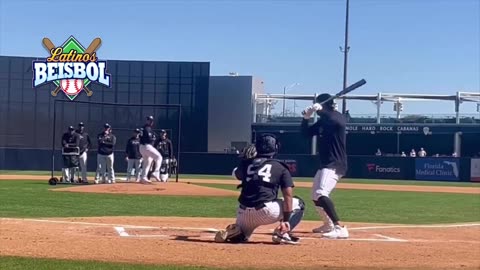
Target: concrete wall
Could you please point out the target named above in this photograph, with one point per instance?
(230, 112)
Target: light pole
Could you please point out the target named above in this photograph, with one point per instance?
(345, 50)
(284, 92)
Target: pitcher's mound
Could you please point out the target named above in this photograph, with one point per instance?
(170, 188)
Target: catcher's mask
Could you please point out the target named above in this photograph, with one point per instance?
(322, 97)
(267, 145)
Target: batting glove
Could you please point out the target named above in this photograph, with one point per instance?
(307, 113)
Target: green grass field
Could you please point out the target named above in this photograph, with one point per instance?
(34, 199)
(301, 179)
(17, 263)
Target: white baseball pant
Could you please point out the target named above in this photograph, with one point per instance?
(133, 166)
(83, 165)
(105, 165)
(150, 154)
(324, 182)
(249, 219)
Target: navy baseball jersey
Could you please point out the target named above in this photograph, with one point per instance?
(70, 140)
(106, 143)
(165, 148)
(133, 148)
(85, 142)
(147, 136)
(330, 129)
(261, 178)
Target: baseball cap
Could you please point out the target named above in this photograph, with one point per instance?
(107, 125)
(137, 130)
(163, 131)
(150, 117)
(71, 128)
(81, 124)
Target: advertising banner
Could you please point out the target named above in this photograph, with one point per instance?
(385, 168)
(475, 170)
(446, 169)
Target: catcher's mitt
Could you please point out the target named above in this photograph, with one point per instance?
(249, 152)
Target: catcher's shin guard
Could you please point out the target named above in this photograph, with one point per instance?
(232, 234)
(297, 214)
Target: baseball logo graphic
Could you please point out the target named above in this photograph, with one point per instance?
(71, 86)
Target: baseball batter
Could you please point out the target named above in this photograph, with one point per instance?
(133, 156)
(84, 145)
(330, 129)
(261, 177)
(149, 153)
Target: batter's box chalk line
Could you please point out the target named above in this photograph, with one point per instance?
(123, 233)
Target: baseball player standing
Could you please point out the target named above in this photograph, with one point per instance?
(70, 140)
(106, 144)
(330, 129)
(84, 145)
(262, 177)
(148, 152)
(133, 155)
(165, 148)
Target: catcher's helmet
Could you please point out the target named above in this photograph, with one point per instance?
(266, 144)
(322, 97)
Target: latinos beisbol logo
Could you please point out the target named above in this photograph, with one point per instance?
(71, 67)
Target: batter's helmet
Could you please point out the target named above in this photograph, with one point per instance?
(322, 97)
(266, 144)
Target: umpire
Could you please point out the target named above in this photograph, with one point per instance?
(330, 129)
(84, 145)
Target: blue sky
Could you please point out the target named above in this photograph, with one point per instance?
(401, 46)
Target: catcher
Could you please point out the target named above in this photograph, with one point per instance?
(262, 177)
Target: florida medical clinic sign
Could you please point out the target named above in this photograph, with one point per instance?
(437, 169)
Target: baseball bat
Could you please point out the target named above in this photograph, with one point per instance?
(92, 48)
(344, 91)
(88, 91)
(49, 45)
(94, 45)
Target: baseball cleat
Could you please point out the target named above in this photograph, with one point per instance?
(325, 228)
(145, 181)
(286, 238)
(221, 236)
(231, 234)
(338, 232)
